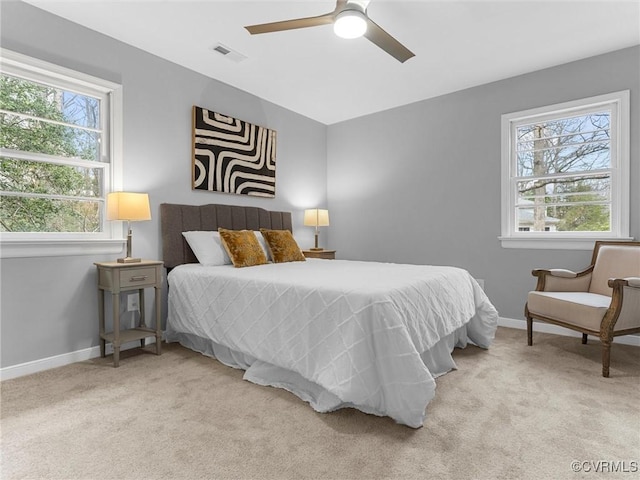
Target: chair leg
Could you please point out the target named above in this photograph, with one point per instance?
(606, 357)
(529, 330)
(584, 338)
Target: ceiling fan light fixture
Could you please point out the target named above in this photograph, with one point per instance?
(350, 24)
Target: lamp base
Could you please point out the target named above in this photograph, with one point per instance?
(129, 260)
(316, 249)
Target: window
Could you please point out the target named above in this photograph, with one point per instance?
(60, 145)
(565, 174)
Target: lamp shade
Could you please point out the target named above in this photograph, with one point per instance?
(316, 217)
(128, 206)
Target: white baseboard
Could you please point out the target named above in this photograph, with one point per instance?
(557, 330)
(48, 363)
(35, 366)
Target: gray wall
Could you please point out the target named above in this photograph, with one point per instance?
(49, 304)
(421, 183)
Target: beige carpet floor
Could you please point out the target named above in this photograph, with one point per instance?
(512, 412)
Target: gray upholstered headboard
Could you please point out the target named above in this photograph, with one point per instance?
(176, 219)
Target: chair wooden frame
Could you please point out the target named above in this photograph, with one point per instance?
(606, 332)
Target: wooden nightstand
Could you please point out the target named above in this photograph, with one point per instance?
(326, 254)
(117, 277)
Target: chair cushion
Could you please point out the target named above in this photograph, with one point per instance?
(614, 261)
(581, 309)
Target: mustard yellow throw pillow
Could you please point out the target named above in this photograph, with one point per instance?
(243, 247)
(282, 245)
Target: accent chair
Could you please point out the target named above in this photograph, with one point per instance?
(603, 300)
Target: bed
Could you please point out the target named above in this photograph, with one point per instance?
(336, 333)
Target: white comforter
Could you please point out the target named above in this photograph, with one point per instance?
(347, 333)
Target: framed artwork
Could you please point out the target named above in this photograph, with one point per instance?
(232, 156)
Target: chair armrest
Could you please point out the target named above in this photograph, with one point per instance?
(624, 312)
(562, 280)
(561, 272)
(633, 282)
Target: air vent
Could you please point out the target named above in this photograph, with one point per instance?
(222, 50)
(228, 53)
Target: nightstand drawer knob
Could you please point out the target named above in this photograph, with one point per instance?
(138, 278)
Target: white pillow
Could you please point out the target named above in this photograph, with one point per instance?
(207, 247)
(263, 244)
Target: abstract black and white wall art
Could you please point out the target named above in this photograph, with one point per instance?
(232, 156)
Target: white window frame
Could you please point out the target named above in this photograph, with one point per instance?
(110, 239)
(618, 103)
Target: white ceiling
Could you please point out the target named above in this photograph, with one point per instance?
(458, 44)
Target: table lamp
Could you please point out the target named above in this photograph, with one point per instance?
(132, 207)
(316, 217)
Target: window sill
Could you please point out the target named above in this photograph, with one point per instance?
(58, 248)
(557, 243)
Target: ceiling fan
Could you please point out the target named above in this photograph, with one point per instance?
(350, 20)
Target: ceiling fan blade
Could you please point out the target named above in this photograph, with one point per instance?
(291, 24)
(386, 42)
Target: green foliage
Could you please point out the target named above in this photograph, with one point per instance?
(33, 214)
(583, 218)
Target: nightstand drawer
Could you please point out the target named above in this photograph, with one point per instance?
(131, 277)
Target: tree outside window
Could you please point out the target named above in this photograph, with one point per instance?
(50, 139)
(564, 173)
